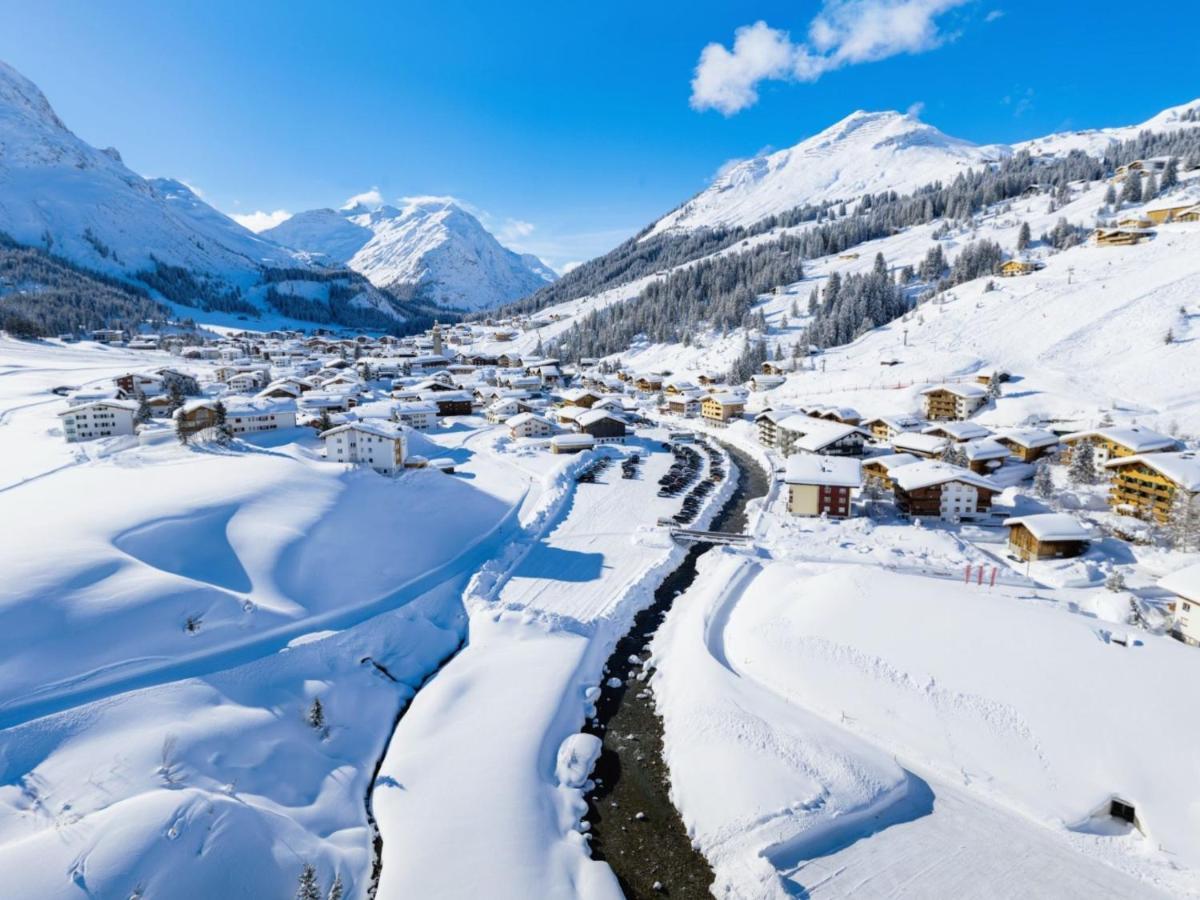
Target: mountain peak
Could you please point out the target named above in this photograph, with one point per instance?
(20, 96)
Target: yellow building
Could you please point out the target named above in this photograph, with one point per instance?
(1168, 212)
(722, 407)
(1117, 442)
(1148, 485)
(1118, 237)
(1013, 267)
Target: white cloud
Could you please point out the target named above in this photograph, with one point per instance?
(915, 109)
(843, 33)
(567, 267)
(514, 230)
(994, 15)
(372, 199)
(259, 220)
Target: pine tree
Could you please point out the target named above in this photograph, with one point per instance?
(175, 396)
(1169, 337)
(142, 416)
(336, 889)
(324, 423)
(1110, 197)
(309, 888)
(1131, 190)
(1170, 177)
(1149, 188)
(222, 432)
(1115, 581)
(1023, 237)
(316, 715)
(993, 388)
(1183, 520)
(181, 431)
(1043, 480)
(1083, 463)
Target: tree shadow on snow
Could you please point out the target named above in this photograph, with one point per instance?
(556, 564)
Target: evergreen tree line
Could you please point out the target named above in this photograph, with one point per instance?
(42, 295)
(182, 286)
(848, 307)
(716, 292)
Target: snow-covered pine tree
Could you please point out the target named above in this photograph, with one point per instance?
(1170, 176)
(1083, 463)
(1149, 188)
(142, 416)
(1043, 480)
(316, 715)
(308, 887)
(1110, 197)
(1131, 190)
(1115, 581)
(1183, 521)
(993, 387)
(1023, 237)
(222, 433)
(336, 890)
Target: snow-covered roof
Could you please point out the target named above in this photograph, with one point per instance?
(378, 427)
(985, 449)
(1184, 582)
(1182, 468)
(959, 390)
(834, 471)
(247, 406)
(817, 434)
(1031, 438)
(596, 415)
(1135, 437)
(522, 418)
(890, 461)
(130, 405)
(960, 431)
(931, 471)
(572, 440)
(413, 407)
(921, 443)
(1051, 527)
(727, 399)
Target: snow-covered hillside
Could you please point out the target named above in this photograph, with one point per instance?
(872, 152)
(430, 248)
(60, 193)
(865, 153)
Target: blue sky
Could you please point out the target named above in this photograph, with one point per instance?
(568, 126)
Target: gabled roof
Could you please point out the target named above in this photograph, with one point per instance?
(596, 415)
(378, 427)
(960, 390)
(130, 405)
(889, 461)
(978, 451)
(921, 443)
(1051, 527)
(1184, 582)
(522, 418)
(1031, 438)
(931, 472)
(960, 431)
(1182, 468)
(1133, 437)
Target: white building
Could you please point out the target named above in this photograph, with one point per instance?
(952, 401)
(246, 415)
(529, 425)
(1185, 584)
(371, 442)
(102, 418)
(417, 414)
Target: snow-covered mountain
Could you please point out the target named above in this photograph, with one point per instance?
(864, 153)
(1094, 141)
(60, 193)
(430, 248)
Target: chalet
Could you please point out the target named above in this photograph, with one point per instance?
(821, 485)
(102, 418)
(371, 442)
(1011, 268)
(280, 390)
(884, 428)
(778, 366)
(722, 407)
(1119, 237)
(985, 455)
(1149, 485)
(131, 384)
(766, 382)
(566, 415)
(108, 336)
(952, 401)
(648, 384)
(878, 469)
(1028, 444)
(957, 431)
(529, 425)
(196, 416)
(571, 443)
(767, 423)
(317, 402)
(708, 378)
(602, 425)
(503, 410)
(1168, 210)
(1117, 441)
(1046, 536)
(986, 376)
(937, 490)
(1135, 222)
(1191, 214)
(1153, 165)
(418, 415)
(251, 380)
(847, 415)
(674, 388)
(581, 397)
(686, 405)
(246, 415)
(804, 434)
(926, 446)
(1185, 585)
(451, 403)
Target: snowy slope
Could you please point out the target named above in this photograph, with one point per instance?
(1095, 141)
(58, 192)
(431, 248)
(864, 153)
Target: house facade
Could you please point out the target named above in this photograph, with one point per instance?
(722, 408)
(371, 442)
(1149, 485)
(103, 418)
(937, 490)
(952, 401)
(1046, 536)
(821, 485)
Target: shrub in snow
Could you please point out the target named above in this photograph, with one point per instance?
(316, 717)
(1083, 463)
(1043, 481)
(1115, 581)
